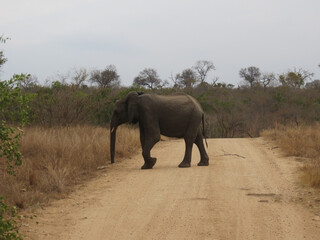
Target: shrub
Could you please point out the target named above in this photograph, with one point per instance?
(13, 110)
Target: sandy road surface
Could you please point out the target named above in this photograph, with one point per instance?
(247, 192)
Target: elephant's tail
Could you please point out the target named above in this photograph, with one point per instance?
(203, 130)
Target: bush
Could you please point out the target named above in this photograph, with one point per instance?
(8, 222)
(13, 110)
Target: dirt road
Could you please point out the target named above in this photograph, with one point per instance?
(248, 192)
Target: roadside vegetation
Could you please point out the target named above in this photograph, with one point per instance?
(55, 159)
(301, 141)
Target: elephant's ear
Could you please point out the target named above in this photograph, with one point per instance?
(132, 102)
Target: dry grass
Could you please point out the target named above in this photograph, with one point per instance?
(302, 141)
(55, 159)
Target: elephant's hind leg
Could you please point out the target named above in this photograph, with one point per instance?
(204, 161)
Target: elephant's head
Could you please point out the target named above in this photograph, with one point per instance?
(125, 110)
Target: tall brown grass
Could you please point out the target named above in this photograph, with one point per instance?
(301, 141)
(54, 159)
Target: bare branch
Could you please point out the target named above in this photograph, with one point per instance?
(202, 68)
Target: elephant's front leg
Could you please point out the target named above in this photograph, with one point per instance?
(147, 143)
(149, 161)
(186, 162)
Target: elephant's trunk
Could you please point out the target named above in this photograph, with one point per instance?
(112, 142)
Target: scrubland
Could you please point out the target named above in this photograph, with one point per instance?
(301, 141)
(55, 159)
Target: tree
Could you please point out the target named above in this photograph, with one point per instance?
(80, 76)
(148, 78)
(266, 79)
(186, 79)
(223, 85)
(14, 109)
(313, 84)
(202, 68)
(107, 78)
(2, 58)
(295, 78)
(251, 75)
(28, 82)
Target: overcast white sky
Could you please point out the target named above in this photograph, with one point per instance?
(50, 37)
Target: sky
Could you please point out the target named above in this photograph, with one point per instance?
(55, 37)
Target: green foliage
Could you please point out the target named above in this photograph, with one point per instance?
(107, 78)
(60, 105)
(250, 74)
(291, 79)
(9, 147)
(203, 100)
(186, 79)
(8, 225)
(13, 103)
(2, 58)
(125, 91)
(279, 98)
(13, 110)
(225, 106)
(295, 78)
(56, 85)
(102, 105)
(148, 78)
(230, 112)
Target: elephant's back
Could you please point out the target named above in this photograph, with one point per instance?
(177, 103)
(178, 100)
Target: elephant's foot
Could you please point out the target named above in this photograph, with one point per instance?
(149, 164)
(204, 162)
(184, 164)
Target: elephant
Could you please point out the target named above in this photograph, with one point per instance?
(178, 116)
